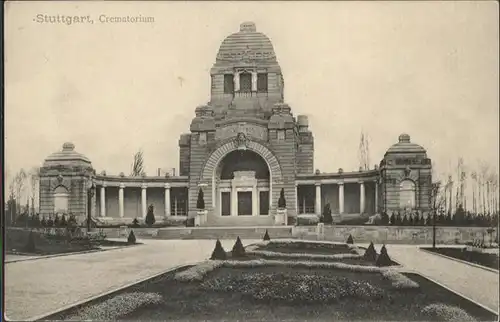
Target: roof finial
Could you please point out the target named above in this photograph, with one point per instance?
(248, 26)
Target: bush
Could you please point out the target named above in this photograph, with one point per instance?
(399, 281)
(443, 312)
(57, 221)
(384, 219)
(219, 253)
(131, 237)
(350, 240)
(307, 220)
(30, 245)
(135, 223)
(327, 214)
(266, 236)
(150, 216)
(200, 203)
(383, 259)
(281, 200)
(371, 253)
(238, 249)
(63, 222)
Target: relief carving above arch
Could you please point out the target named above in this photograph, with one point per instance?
(249, 130)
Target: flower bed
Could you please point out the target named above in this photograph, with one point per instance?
(484, 259)
(272, 293)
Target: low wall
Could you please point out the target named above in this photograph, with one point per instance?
(394, 234)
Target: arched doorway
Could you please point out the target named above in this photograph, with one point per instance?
(61, 196)
(407, 195)
(242, 180)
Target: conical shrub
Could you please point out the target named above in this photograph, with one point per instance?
(219, 253)
(371, 253)
(383, 259)
(350, 240)
(238, 249)
(30, 245)
(266, 236)
(131, 237)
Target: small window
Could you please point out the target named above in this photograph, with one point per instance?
(281, 135)
(245, 82)
(228, 84)
(262, 82)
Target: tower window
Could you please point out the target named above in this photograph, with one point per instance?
(262, 82)
(245, 82)
(281, 135)
(228, 84)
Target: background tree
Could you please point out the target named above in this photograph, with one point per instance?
(34, 176)
(19, 186)
(138, 165)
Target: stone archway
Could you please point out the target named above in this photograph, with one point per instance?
(209, 169)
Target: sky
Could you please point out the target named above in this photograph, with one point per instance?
(429, 69)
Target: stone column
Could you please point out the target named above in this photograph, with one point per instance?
(361, 197)
(376, 196)
(318, 199)
(144, 201)
(120, 199)
(167, 200)
(103, 200)
(255, 205)
(254, 81)
(341, 197)
(234, 201)
(236, 81)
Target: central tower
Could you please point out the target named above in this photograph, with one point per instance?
(245, 145)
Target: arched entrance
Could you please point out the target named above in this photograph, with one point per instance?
(242, 185)
(228, 173)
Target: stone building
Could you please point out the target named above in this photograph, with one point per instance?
(243, 147)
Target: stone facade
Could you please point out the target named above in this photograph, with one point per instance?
(243, 148)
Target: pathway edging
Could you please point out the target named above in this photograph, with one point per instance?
(461, 261)
(94, 297)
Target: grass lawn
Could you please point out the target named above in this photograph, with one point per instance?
(279, 293)
(484, 259)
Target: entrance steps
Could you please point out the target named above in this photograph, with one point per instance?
(239, 221)
(224, 232)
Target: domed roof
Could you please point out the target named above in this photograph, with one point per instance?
(246, 44)
(67, 157)
(405, 146)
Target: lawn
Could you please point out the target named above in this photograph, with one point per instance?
(16, 242)
(263, 289)
(484, 259)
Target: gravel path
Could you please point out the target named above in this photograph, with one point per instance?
(473, 282)
(38, 287)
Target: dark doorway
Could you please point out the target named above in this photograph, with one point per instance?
(244, 203)
(225, 203)
(264, 203)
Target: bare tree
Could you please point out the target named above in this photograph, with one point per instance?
(438, 197)
(484, 170)
(364, 152)
(138, 165)
(474, 192)
(19, 182)
(34, 175)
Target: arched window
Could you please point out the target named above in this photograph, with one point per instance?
(61, 196)
(407, 194)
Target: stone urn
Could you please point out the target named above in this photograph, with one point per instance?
(281, 217)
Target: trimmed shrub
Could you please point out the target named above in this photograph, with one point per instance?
(131, 237)
(281, 200)
(384, 218)
(393, 219)
(350, 240)
(57, 221)
(383, 259)
(266, 236)
(371, 253)
(150, 216)
(327, 214)
(63, 222)
(219, 253)
(30, 245)
(43, 222)
(135, 222)
(200, 203)
(443, 312)
(238, 249)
